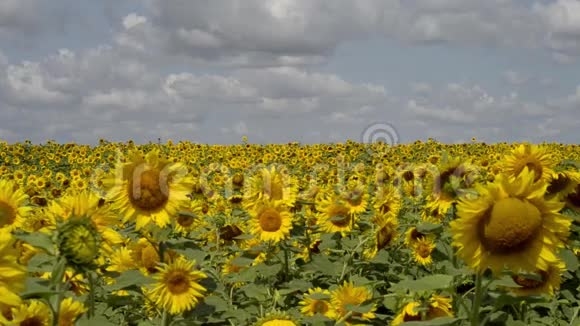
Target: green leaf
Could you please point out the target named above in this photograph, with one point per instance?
(427, 228)
(570, 259)
(433, 322)
(38, 240)
(360, 309)
(324, 265)
(255, 292)
(128, 279)
(218, 303)
(427, 283)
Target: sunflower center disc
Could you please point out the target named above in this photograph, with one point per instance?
(510, 226)
(270, 220)
(7, 214)
(147, 193)
(185, 220)
(423, 250)
(574, 198)
(320, 307)
(529, 283)
(177, 283)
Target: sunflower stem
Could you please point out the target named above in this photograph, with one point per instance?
(161, 251)
(165, 318)
(58, 274)
(476, 300)
(343, 319)
(286, 266)
(91, 310)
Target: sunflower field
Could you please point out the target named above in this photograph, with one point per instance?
(289, 234)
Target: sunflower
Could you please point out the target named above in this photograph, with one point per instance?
(317, 301)
(145, 256)
(270, 184)
(543, 281)
(387, 201)
(276, 318)
(149, 189)
(534, 157)
(70, 311)
(13, 208)
(12, 274)
(120, 260)
(422, 250)
(510, 223)
(334, 215)
(177, 288)
(563, 184)
(355, 197)
(231, 268)
(449, 182)
(271, 222)
(385, 234)
(348, 294)
(33, 312)
(410, 312)
(573, 199)
(189, 218)
(412, 237)
(437, 306)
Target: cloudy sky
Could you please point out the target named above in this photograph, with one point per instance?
(212, 71)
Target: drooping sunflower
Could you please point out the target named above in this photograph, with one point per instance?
(545, 281)
(384, 235)
(12, 274)
(387, 201)
(573, 199)
(534, 157)
(177, 288)
(270, 184)
(563, 184)
(13, 205)
(149, 189)
(348, 294)
(510, 224)
(271, 222)
(317, 301)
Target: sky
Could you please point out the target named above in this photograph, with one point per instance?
(278, 71)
